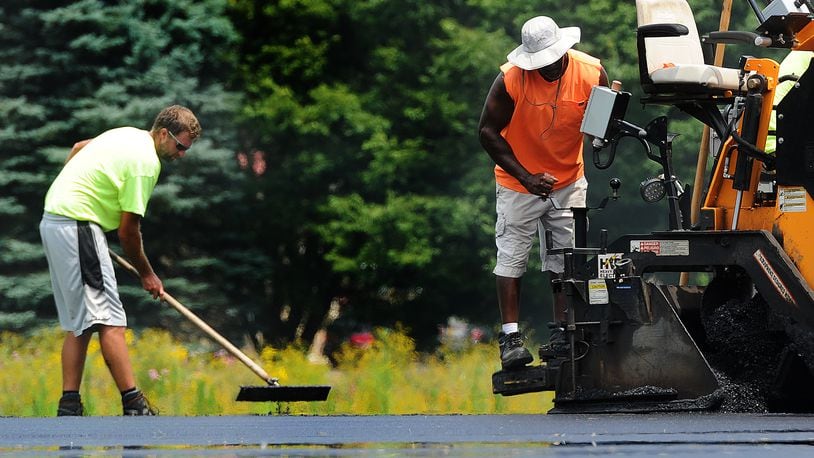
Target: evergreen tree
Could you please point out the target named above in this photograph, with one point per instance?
(73, 69)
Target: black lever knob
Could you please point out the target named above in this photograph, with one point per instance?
(615, 184)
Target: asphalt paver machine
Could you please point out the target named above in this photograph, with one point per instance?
(742, 339)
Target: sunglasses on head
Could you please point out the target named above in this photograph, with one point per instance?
(180, 146)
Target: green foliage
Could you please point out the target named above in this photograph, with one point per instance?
(391, 187)
(339, 162)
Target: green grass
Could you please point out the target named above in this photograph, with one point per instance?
(388, 378)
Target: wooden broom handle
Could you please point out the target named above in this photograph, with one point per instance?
(201, 324)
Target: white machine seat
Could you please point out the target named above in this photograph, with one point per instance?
(700, 74)
(680, 60)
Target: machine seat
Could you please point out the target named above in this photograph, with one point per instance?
(671, 59)
(708, 76)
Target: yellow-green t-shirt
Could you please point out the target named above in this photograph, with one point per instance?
(114, 172)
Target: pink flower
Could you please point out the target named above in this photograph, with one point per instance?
(258, 162)
(362, 339)
(242, 160)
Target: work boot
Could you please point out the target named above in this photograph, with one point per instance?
(70, 405)
(512, 353)
(134, 403)
(557, 346)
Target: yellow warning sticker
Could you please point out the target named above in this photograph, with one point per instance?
(598, 291)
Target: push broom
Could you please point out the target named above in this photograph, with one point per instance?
(273, 391)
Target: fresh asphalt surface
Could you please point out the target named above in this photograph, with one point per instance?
(679, 435)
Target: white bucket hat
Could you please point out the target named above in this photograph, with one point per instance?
(543, 43)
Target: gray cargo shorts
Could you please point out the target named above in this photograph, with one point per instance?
(520, 216)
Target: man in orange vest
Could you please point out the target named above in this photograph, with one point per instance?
(530, 126)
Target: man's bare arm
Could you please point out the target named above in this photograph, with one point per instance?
(497, 113)
(76, 147)
(130, 239)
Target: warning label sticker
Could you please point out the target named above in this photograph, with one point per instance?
(773, 277)
(606, 264)
(791, 199)
(661, 247)
(598, 291)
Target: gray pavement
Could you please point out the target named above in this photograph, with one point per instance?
(690, 435)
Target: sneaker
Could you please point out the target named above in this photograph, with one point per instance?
(512, 352)
(70, 405)
(136, 404)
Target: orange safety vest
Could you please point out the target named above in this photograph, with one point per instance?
(544, 129)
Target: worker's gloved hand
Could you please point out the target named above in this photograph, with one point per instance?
(540, 184)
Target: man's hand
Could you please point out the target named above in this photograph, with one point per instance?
(152, 284)
(540, 184)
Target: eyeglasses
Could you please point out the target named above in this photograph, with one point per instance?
(178, 145)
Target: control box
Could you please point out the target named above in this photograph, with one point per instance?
(784, 8)
(604, 106)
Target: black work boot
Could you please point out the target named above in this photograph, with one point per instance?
(557, 346)
(512, 353)
(70, 405)
(134, 403)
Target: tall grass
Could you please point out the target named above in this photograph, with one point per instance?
(389, 377)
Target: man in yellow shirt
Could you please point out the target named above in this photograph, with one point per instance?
(105, 185)
(530, 128)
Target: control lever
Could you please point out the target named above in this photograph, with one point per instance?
(615, 184)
